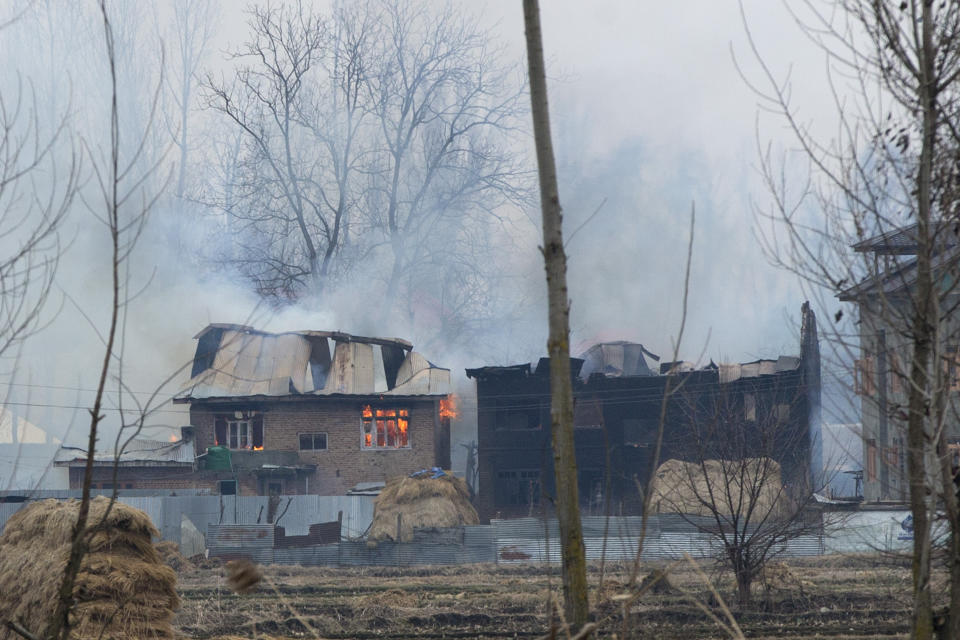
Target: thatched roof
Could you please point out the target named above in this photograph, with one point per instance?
(422, 502)
(725, 485)
(123, 589)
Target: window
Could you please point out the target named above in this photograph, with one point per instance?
(896, 373)
(750, 407)
(275, 488)
(228, 487)
(517, 414)
(239, 437)
(951, 358)
(781, 412)
(587, 413)
(863, 376)
(385, 428)
(518, 487)
(313, 442)
(640, 432)
(871, 461)
(243, 430)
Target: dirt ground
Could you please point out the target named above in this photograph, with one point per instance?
(827, 597)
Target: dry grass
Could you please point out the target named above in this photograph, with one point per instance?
(123, 589)
(817, 597)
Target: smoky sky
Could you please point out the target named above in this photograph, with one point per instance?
(651, 118)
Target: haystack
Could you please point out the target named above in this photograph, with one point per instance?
(682, 487)
(123, 589)
(421, 502)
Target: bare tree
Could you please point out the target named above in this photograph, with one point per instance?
(558, 345)
(123, 212)
(189, 38)
(744, 438)
(443, 102)
(378, 145)
(885, 184)
(291, 239)
(34, 200)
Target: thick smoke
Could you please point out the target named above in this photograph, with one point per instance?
(639, 137)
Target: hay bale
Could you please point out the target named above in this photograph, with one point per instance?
(123, 589)
(421, 502)
(683, 487)
(171, 556)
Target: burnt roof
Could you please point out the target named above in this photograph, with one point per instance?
(237, 361)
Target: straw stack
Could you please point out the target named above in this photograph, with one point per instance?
(123, 589)
(421, 502)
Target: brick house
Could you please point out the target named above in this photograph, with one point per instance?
(312, 412)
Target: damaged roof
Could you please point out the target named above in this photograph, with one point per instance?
(239, 361)
(139, 452)
(617, 359)
(626, 360)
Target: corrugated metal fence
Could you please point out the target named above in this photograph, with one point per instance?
(294, 513)
(237, 526)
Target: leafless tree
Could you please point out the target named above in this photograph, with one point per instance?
(188, 41)
(36, 192)
(886, 184)
(744, 439)
(444, 103)
(377, 140)
(291, 240)
(125, 204)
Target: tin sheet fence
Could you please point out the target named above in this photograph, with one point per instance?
(294, 513)
(503, 541)
(506, 541)
(617, 539)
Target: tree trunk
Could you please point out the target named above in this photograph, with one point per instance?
(744, 583)
(952, 512)
(561, 388)
(923, 332)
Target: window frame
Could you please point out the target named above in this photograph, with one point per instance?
(531, 406)
(380, 425)
(523, 484)
(313, 440)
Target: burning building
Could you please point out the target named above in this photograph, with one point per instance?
(770, 407)
(312, 411)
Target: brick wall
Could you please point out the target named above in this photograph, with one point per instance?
(146, 478)
(344, 463)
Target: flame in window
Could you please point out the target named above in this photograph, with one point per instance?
(448, 406)
(367, 413)
(258, 448)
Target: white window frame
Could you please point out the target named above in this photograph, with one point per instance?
(239, 434)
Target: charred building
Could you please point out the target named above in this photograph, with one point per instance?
(311, 412)
(621, 394)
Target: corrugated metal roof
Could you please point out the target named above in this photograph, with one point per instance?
(248, 363)
(139, 450)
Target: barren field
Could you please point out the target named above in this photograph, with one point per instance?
(831, 597)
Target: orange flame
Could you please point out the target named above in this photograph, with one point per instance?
(448, 406)
(367, 413)
(258, 448)
(173, 437)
